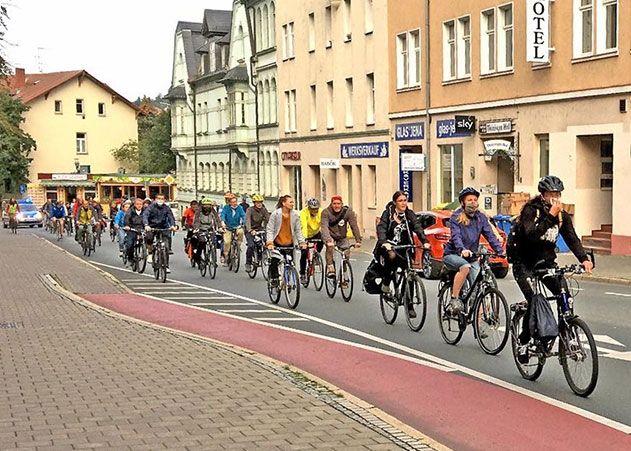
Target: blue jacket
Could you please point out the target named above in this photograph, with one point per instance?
(468, 237)
(119, 219)
(233, 217)
(58, 212)
(158, 217)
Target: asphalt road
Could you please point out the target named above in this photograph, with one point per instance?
(606, 308)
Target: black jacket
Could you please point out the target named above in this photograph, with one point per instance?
(387, 225)
(158, 216)
(540, 231)
(134, 220)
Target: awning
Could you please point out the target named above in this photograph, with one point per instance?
(77, 183)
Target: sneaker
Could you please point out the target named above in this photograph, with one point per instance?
(149, 258)
(330, 271)
(385, 288)
(248, 267)
(303, 279)
(170, 252)
(411, 312)
(168, 270)
(456, 306)
(522, 354)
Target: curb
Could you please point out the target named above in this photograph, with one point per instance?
(602, 279)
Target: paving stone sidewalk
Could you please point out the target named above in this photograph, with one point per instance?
(74, 378)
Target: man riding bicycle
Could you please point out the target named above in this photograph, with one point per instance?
(310, 222)
(46, 208)
(541, 221)
(232, 219)
(335, 221)
(188, 216)
(86, 217)
(133, 223)
(118, 223)
(206, 220)
(256, 219)
(57, 216)
(158, 216)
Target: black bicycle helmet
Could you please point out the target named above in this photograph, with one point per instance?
(550, 183)
(466, 191)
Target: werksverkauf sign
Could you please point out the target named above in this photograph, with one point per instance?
(407, 132)
(365, 150)
(537, 31)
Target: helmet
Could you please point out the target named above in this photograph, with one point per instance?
(466, 191)
(313, 203)
(550, 183)
(257, 198)
(206, 201)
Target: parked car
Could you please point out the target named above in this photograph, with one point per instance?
(29, 216)
(436, 227)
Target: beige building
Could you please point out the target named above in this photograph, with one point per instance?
(333, 88)
(75, 120)
(511, 102)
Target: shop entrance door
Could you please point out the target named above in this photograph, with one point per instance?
(505, 174)
(295, 185)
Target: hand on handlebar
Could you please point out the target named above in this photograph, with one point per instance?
(147, 228)
(427, 246)
(302, 246)
(466, 253)
(588, 265)
(357, 245)
(387, 246)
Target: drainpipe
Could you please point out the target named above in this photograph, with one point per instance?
(195, 134)
(428, 99)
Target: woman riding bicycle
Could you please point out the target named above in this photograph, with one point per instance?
(12, 209)
(467, 225)
(396, 225)
(206, 219)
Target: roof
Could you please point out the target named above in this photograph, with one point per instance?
(217, 22)
(37, 85)
(239, 73)
(192, 41)
(176, 92)
(193, 26)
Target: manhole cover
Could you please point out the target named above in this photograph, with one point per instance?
(10, 324)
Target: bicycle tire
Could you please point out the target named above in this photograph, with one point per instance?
(134, 261)
(202, 265)
(572, 333)
(331, 283)
(448, 324)
(273, 293)
(416, 296)
(254, 265)
(530, 370)
(292, 287)
(489, 323)
(346, 278)
(318, 271)
(389, 306)
(212, 265)
(156, 264)
(142, 263)
(189, 253)
(265, 264)
(236, 258)
(307, 277)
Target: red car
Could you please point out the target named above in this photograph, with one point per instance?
(436, 226)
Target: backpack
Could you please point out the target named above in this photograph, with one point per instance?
(373, 272)
(514, 237)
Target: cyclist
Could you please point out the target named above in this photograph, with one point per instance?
(146, 203)
(57, 216)
(396, 226)
(335, 221)
(255, 221)
(188, 216)
(12, 210)
(541, 220)
(48, 205)
(283, 229)
(133, 223)
(467, 225)
(119, 224)
(100, 223)
(244, 202)
(86, 216)
(206, 219)
(75, 208)
(310, 222)
(158, 216)
(232, 219)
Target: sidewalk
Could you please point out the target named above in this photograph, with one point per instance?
(78, 378)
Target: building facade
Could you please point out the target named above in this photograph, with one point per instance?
(76, 120)
(333, 88)
(510, 103)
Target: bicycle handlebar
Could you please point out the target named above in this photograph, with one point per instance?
(561, 270)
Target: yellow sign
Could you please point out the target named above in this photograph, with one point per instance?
(169, 179)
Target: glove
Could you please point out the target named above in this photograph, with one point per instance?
(147, 228)
(387, 246)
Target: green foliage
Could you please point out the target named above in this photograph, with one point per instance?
(15, 145)
(154, 144)
(127, 154)
(4, 64)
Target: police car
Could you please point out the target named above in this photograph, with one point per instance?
(29, 215)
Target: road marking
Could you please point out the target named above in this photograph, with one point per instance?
(618, 355)
(607, 339)
(217, 304)
(428, 359)
(281, 319)
(618, 294)
(181, 298)
(249, 311)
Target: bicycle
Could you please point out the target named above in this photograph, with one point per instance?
(234, 253)
(207, 259)
(113, 234)
(315, 266)
(13, 224)
(58, 229)
(139, 257)
(409, 291)
(160, 254)
(87, 240)
(98, 232)
(484, 306)
(288, 281)
(342, 278)
(579, 362)
(68, 226)
(259, 257)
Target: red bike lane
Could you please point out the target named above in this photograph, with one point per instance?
(456, 410)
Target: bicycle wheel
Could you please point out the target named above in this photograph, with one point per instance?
(317, 271)
(579, 357)
(90, 243)
(532, 367)
(84, 245)
(235, 258)
(331, 283)
(273, 292)
(447, 322)
(346, 281)
(165, 264)
(491, 319)
(415, 299)
(203, 261)
(389, 305)
(142, 262)
(292, 287)
(134, 260)
(189, 252)
(156, 263)
(254, 266)
(265, 256)
(212, 261)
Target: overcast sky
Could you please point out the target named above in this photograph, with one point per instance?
(127, 44)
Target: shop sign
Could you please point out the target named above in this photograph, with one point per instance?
(365, 150)
(407, 132)
(447, 129)
(329, 163)
(412, 161)
(492, 146)
(405, 177)
(70, 176)
(496, 127)
(537, 31)
(488, 189)
(465, 124)
(290, 156)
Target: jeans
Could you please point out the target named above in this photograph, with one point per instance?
(130, 241)
(121, 238)
(275, 261)
(249, 239)
(227, 238)
(455, 262)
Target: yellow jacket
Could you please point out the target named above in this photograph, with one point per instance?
(310, 225)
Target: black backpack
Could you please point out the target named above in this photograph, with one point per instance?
(514, 238)
(374, 271)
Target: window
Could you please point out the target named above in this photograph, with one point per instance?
(288, 41)
(58, 109)
(259, 29)
(496, 39)
(328, 26)
(595, 20)
(181, 116)
(273, 102)
(409, 59)
(349, 102)
(290, 111)
(81, 143)
(330, 123)
(607, 34)
(505, 38)
(372, 185)
(219, 114)
(312, 37)
(487, 41)
(586, 12)
(206, 117)
(449, 56)
(544, 155)
(265, 31)
(464, 47)
(314, 111)
(79, 106)
(606, 164)
(451, 171)
(348, 30)
(370, 102)
(368, 16)
(272, 24)
(242, 103)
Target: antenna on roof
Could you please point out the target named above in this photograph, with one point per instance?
(40, 64)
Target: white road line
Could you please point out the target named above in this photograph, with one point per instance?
(181, 298)
(249, 311)
(281, 319)
(218, 304)
(618, 294)
(609, 340)
(430, 360)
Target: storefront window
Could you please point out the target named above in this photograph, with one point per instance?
(544, 156)
(451, 171)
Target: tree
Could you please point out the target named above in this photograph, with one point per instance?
(154, 144)
(4, 64)
(127, 154)
(15, 145)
